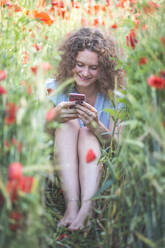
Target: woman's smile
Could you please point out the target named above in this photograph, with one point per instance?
(84, 78)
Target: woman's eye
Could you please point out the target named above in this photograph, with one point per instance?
(94, 67)
(80, 65)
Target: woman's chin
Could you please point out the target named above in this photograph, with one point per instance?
(83, 83)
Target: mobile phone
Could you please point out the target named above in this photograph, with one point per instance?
(79, 98)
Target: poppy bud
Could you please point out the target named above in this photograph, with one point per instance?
(15, 171)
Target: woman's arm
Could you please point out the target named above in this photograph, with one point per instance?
(61, 113)
(106, 135)
(89, 116)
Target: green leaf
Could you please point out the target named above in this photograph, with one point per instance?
(145, 240)
(104, 186)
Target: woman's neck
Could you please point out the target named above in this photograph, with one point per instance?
(89, 91)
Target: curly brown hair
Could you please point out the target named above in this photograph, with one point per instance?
(95, 40)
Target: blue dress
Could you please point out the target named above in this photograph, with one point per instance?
(100, 104)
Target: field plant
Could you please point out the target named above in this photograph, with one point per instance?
(130, 202)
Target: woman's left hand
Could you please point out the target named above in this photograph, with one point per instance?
(87, 113)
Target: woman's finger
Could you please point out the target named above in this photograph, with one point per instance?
(87, 112)
(86, 108)
(84, 115)
(69, 116)
(87, 105)
(66, 104)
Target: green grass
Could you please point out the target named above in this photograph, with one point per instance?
(129, 211)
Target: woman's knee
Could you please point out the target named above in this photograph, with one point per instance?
(68, 126)
(66, 135)
(86, 136)
(87, 140)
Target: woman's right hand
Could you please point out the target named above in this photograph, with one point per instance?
(65, 111)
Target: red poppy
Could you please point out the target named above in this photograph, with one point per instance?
(121, 3)
(7, 144)
(15, 171)
(96, 8)
(12, 189)
(2, 90)
(49, 91)
(14, 141)
(96, 22)
(29, 90)
(89, 11)
(50, 115)
(114, 26)
(156, 82)
(36, 46)
(25, 58)
(43, 16)
(15, 220)
(54, 3)
(61, 4)
(164, 124)
(3, 75)
(62, 236)
(63, 12)
(103, 22)
(3, 2)
(46, 66)
(131, 39)
(25, 184)
(132, 1)
(34, 69)
(142, 61)
(104, 8)
(90, 156)
(17, 8)
(163, 40)
(11, 109)
(27, 12)
(108, 2)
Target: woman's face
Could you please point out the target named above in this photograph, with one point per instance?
(86, 69)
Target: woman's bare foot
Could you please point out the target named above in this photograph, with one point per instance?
(70, 213)
(84, 213)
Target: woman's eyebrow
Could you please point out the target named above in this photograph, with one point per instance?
(79, 61)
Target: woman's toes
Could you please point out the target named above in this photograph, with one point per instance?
(75, 227)
(65, 221)
(68, 218)
(62, 223)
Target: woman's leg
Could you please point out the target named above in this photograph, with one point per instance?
(66, 148)
(89, 174)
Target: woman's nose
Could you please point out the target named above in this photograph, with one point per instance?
(85, 71)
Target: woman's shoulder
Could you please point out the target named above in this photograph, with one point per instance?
(104, 100)
(111, 102)
(51, 83)
(56, 96)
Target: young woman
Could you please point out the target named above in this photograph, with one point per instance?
(88, 56)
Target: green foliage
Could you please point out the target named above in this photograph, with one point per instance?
(130, 201)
